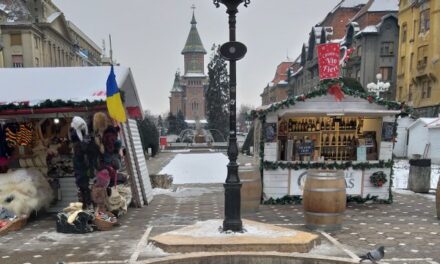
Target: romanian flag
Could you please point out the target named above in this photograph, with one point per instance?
(115, 107)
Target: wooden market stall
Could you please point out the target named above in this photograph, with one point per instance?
(316, 131)
(44, 101)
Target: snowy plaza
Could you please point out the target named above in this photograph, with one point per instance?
(408, 228)
(219, 131)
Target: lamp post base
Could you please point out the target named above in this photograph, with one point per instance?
(232, 220)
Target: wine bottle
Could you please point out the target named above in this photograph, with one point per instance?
(318, 126)
(333, 143)
(344, 140)
(339, 140)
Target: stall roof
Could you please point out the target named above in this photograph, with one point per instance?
(34, 85)
(425, 121)
(327, 105)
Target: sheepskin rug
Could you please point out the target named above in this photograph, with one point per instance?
(24, 190)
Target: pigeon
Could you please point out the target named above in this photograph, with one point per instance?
(374, 255)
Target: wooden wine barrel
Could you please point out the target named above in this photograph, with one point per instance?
(324, 199)
(250, 189)
(437, 199)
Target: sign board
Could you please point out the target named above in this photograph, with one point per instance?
(361, 153)
(270, 132)
(387, 131)
(353, 182)
(306, 148)
(329, 60)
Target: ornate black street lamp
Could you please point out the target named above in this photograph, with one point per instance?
(232, 51)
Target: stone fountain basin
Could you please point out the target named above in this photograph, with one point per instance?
(249, 258)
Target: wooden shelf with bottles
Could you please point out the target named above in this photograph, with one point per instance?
(326, 134)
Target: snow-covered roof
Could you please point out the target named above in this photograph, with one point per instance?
(326, 104)
(194, 74)
(368, 29)
(53, 16)
(203, 121)
(35, 85)
(349, 4)
(3, 7)
(424, 121)
(353, 3)
(384, 5)
(298, 71)
(434, 124)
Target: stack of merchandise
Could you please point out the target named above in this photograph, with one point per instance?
(75, 220)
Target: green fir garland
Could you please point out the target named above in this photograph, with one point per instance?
(269, 165)
(297, 199)
(322, 89)
(51, 104)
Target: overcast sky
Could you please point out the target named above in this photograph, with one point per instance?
(148, 36)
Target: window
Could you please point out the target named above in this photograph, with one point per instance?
(36, 42)
(387, 49)
(16, 39)
(404, 32)
(422, 56)
(426, 89)
(410, 93)
(17, 61)
(387, 73)
(425, 22)
(37, 62)
(402, 65)
(411, 62)
(195, 105)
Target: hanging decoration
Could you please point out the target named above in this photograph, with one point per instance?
(378, 179)
(329, 61)
(336, 91)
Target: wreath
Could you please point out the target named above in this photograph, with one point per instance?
(378, 179)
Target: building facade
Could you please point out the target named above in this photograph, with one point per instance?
(419, 56)
(277, 89)
(371, 28)
(188, 92)
(331, 29)
(36, 34)
(374, 35)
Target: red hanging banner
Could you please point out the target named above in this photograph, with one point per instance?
(328, 61)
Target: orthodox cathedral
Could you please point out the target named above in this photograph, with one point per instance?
(188, 91)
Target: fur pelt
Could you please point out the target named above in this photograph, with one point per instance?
(100, 123)
(80, 127)
(24, 190)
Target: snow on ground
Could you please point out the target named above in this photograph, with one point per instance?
(408, 192)
(401, 173)
(151, 251)
(177, 150)
(197, 168)
(184, 192)
(212, 228)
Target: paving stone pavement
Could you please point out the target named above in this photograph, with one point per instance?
(408, 228)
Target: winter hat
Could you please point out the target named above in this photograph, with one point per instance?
(103, 178)
(80, 127)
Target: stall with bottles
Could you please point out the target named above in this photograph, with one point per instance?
(355, 135)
